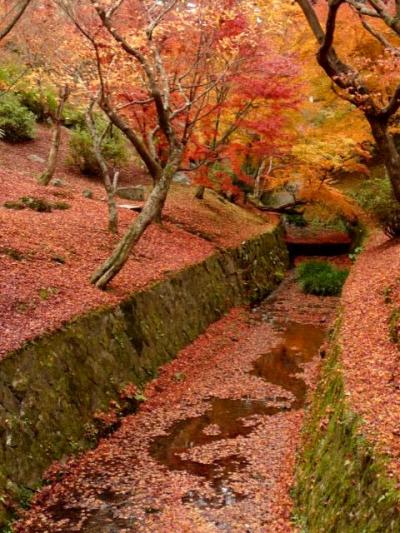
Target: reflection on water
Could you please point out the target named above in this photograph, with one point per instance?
(279, 366)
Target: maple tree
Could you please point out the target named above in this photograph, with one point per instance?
(160, 87)
(49, 70)
(249, 118)
(371, 86)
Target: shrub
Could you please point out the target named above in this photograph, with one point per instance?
(16, 122)
(73, 117)
(376, 196)
(317, 277)
(114, 148)
(296, 219)
(388, 216)
(42, 105)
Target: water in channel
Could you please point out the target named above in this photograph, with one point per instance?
(215, 451)
(280, 366)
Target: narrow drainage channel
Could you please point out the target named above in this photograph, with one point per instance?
(279, 366)
(211, 451)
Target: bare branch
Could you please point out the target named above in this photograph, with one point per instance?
(379, 36)
(393, 105)
(10, 25)
(157, 20)
(384, 14)
(154, 90)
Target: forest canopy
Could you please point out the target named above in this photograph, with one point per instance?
(236, 96)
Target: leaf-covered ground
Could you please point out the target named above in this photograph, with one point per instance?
(203, 475)
(46, 258)
(370, 347)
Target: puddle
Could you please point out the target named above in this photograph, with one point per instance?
(226, 418)
(280, 365)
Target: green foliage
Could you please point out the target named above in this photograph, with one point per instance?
(332, 223)
(140, 397)
(321, 217)
(114, 148)
(376, 196)
(16, 122)
(41, 104)
(25, 496)
(317, 277)
(7, 528)
(296, 219)
(46, 292)
(10, 73)
(353, 255)
(60, 205)
(179, 376)
(73, 117)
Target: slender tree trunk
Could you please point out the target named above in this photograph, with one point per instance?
(257, 182)
(386, 146)
(47, 175)
(112, 212)
(110, 186)
(200, 192)
(151, 210)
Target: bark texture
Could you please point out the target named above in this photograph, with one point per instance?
(48, 174)
(150, 213)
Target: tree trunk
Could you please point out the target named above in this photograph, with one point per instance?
(47, 175)
(386, 146)
(112, 212)
(110, 186)
(200, 192)
(151, 210)
(257, 182)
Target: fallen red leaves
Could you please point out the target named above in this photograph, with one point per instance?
(370, 358)
(121, 485)
(58, 251)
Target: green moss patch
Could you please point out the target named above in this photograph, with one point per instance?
(36, 204)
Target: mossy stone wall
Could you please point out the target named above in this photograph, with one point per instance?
(50, 389)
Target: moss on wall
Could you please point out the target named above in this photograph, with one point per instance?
(50, 389)
(342, 485)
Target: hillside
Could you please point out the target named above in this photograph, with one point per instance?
(46, 258)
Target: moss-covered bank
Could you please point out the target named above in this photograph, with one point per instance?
(341, 485)
(50, 389)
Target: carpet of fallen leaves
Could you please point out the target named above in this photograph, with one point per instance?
(121, 486)
(46, 258)
(371, 359)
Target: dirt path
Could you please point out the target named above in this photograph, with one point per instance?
(213, 447)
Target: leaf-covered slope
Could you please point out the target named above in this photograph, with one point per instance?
(46, 258)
